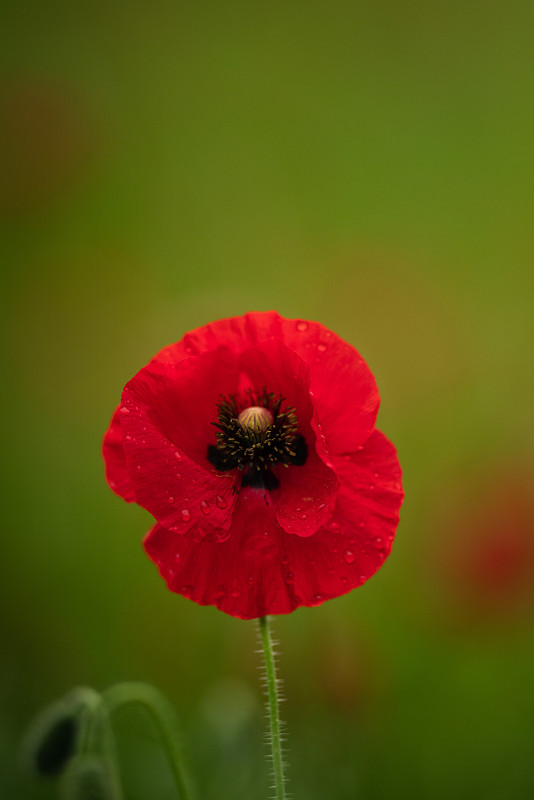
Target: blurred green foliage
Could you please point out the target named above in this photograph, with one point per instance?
(367, 164)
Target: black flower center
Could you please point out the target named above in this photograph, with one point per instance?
(255, 435)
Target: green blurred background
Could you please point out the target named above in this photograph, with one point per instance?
(366, 164)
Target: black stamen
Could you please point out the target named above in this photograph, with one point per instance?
(252, 451)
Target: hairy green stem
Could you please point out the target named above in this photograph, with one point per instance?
(273, 703)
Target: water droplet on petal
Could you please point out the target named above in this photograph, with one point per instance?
(344, 580)
(221, 502)
(378, 542)
(250, 581)
(334, 526)
(303, 516)
(364, 552)
(171, 499)
(186, 515)
(349, 556)
(321, 347)
(125, 410)
(235, 593)
(285, 560)
(302, 326)
(177, 557)
(177, 456)
(204, 507)
(187, 589)
(317, 598)
(128, 437)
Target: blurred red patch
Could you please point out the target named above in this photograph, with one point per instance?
(46, 138)
(485, 557)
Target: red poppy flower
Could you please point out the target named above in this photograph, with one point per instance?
(252, 441)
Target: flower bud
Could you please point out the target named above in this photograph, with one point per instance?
(53, 735)
(51, 741)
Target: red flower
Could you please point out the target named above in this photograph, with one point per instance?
(252, 441)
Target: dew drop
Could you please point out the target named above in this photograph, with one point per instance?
(285, 560)
(307, 499)
(138, 466)
(178, 475)
(298, 508)
(204, 507)
(235, 593)
(360, 447)
(362, 578)
(177, 456)
(221, 502)
(177, 557)
(186, 515)
(344, 580)
(187, 589)
(250, 581)
(349, 556)
(378, 542)
(127, 437)
(302, 326)
(321, 347)
(125, 410)
(334, 526)
(171, 499)
(303, 517)
(317, 598)
(320, 508)
(364, 552)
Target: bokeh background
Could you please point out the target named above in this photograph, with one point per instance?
(366, 164)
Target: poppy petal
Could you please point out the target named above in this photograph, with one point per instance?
(117, 474)
(261, 569)
(343, 386)
(167, 462)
